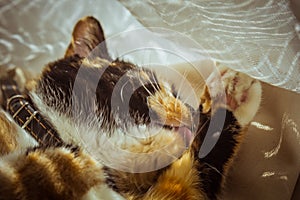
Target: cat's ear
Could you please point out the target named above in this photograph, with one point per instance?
(88, 36)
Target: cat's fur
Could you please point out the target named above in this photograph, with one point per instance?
(89, 109)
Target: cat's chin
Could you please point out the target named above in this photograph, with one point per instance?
(140, 153)
(184, 132)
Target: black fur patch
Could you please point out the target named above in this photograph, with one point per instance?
(211, 167)
(136, 184)
(118, 89)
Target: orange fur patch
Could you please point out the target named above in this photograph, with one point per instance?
(178, 182)
(8, 141)
(170, 110)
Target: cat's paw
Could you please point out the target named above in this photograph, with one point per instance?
(235, 91)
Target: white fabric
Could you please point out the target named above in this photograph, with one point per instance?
(253, 36)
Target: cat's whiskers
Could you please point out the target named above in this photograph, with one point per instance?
(181, 122)
(203, 125)
(180, 86)
(195, 88)
(151, 82)
(143, 85)
(214, 168)
(172, 155)
(154, 77)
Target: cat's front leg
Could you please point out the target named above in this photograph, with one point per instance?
(229, 102)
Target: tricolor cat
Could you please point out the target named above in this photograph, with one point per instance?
(125, 133)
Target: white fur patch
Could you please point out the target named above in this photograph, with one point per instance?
(102, 192)
(134, 148)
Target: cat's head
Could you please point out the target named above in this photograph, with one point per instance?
(126, 99)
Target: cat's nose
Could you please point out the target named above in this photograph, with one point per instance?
(170, 111)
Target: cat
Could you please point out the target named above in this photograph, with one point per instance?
(123, 132)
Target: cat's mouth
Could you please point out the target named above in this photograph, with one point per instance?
(184, 132)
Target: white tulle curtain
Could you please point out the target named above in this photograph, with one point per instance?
(253, 36)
